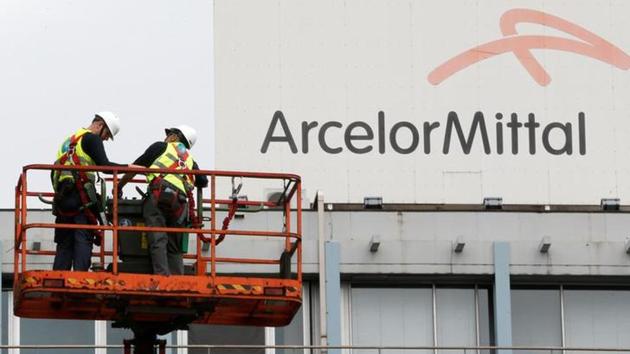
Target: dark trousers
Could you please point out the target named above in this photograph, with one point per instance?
(165, 249)
(74, 246)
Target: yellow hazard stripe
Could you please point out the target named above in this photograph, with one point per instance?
(238, 289)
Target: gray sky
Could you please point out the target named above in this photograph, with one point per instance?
(149, 61)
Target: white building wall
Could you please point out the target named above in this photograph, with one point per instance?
(422, 242)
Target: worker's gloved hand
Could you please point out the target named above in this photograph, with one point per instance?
(97, 238)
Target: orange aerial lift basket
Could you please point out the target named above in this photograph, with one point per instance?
(223, 282)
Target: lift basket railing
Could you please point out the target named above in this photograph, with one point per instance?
(208, 232)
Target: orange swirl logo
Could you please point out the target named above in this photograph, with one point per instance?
(589, 45)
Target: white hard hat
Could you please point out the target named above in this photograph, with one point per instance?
(112, 122)
(189, 134)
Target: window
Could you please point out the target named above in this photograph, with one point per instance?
(205, 334)
(292, 334)
(484, 311)
(391, 316)
(597, 318)
(456, 322)
(405, 317)
(536, 318)
(45, 331)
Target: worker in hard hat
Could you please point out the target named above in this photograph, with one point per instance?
(169, 195)
(75, 200)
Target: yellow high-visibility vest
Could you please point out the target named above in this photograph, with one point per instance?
(178, 157)
(70, 151)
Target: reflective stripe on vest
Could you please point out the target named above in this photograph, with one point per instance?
(175, 156)
(65, 156)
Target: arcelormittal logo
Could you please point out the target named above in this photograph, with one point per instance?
(587, 44)
(490, 132)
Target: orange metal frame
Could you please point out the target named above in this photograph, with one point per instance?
(205, 297)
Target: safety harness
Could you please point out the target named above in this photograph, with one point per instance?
(176, 162)
(82, 182)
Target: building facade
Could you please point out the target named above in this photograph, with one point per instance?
(443, 278)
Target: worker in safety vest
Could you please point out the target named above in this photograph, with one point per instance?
(75, 200)
(169, 201)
